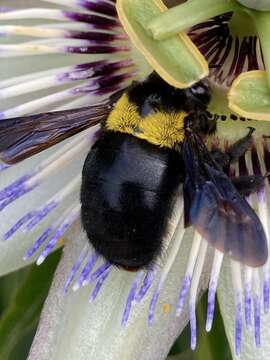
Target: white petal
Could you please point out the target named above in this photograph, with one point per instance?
(71, 328)
(13, 250)
(227, 308)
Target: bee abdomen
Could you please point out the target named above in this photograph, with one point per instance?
(127, 194)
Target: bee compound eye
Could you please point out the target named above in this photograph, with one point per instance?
(198, 90)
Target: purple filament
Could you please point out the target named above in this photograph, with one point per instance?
(16, 194)
(153, 305)
(111, 80)
(266, 155)
(238, 328)
(101, 7)
(243, 170)
(214, 39)
(147, 282)
(193, 326)
(257, 320)
(255, 161)
(71, 217)
(266, 290)
(211, 305)
(96, 21)
(74, 269)
(4, 167)
(99, 284)
(95, 49)
(87, 269)
(38, 243)
(248, 306)
(130, 299)
(261, 196)
(18, 225)
(41, 214)
(51, 244)
(183, 293)
(93, 69)
(12, 188)
(93, 37)
(104, 267)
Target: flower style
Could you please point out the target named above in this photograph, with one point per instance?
(50, 181)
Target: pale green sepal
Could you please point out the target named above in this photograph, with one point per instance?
(262, 23)
(249, 95)
(177, 60)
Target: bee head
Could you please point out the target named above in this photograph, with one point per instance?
(154, 95)
(198, 95)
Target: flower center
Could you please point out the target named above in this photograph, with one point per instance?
(230, 44)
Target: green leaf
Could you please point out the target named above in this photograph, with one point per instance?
(22, 314)
(8, 285)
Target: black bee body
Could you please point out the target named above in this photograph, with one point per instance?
(151, 143)
(128, 188)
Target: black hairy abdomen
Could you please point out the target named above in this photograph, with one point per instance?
(127, 195)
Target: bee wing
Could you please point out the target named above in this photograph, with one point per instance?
(219, 213)
(28, 135)
(25, 136)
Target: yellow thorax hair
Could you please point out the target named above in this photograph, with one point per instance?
(160, 128)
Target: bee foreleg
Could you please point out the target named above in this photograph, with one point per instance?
(248, 184)
(221, 158)
(236, 150)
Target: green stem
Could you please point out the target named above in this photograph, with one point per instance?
(190, 13)
(262, 23)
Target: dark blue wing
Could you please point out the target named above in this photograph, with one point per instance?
(217, 211)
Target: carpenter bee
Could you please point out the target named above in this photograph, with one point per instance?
(152, 141)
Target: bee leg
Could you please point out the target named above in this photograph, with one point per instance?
(234, 152)
(249, 184)
(239, 148)
(221, 158)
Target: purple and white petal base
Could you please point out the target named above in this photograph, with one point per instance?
(87, 29)
(91, 270)
(216, 267)
(227, 52)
